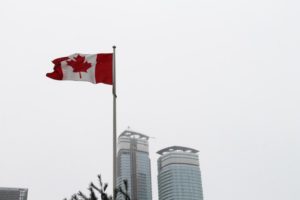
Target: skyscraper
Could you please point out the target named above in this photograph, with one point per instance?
(179, 176)
(133, 164)
(13, 193)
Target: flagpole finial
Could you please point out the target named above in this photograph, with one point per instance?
(114, 46)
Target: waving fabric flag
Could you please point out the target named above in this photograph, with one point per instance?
(94, 68)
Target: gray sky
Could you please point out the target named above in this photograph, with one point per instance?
(219, 76)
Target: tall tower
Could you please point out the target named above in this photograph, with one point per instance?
(133, 164)
(179, 176)
(13, 193)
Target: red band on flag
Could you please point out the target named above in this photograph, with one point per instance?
(57, 74)
(103, 71)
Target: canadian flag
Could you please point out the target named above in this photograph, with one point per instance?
(94, 68)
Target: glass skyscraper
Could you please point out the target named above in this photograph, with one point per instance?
(179, 176)
(133, 165)
(13, 193)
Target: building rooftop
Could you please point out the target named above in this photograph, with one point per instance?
(177, 149)
(133, 134)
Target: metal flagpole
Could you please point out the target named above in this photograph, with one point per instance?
(114, 123)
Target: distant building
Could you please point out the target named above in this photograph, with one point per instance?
(13, 193)
(133, 165)
(179, 176)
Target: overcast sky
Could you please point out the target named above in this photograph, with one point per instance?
(218, 76)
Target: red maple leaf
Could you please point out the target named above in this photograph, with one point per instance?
(79, 64)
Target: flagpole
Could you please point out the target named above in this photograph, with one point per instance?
(114, 123)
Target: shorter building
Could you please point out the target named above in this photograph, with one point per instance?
(13, 193)
(179, 176)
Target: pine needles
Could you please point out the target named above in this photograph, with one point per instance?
(101, 190)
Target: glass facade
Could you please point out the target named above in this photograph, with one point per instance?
(179, 176)
(134, 165)
(13, 194)
(124, 170)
